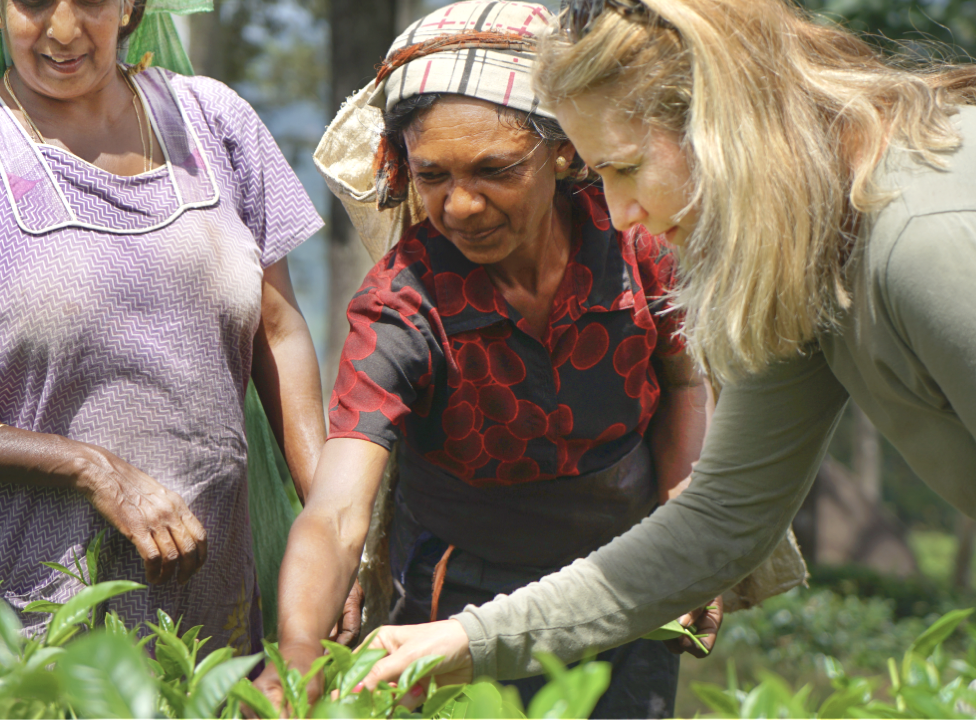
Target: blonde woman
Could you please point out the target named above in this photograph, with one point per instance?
(822, 201)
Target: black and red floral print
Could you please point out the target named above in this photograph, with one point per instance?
(437, 356)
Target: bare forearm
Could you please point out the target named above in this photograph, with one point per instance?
(287, 380)
(325, 545)
(33, 458)
(286, 375)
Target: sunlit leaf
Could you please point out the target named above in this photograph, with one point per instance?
(418, 670)
(247, 693)
(341, 655)
(43, 606)
(441, 697)
(484, 701)
(362, 664)
(209, 663)
(212, 689)
(104, 676)
(589, 681)
(76, 609)
(62, 569)
(10, 628)
(938, 632)
(716, 699)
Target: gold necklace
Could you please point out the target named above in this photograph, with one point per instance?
(146, 150)
(30, 123)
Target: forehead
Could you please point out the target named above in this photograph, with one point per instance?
(463, 128)
(598, 129)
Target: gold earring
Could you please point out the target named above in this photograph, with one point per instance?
(561, 163)
(125, 19)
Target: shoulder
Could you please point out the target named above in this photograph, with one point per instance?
(221, 108)
(403, 279)
(925, 236)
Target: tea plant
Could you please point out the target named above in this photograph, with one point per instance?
(920, 687)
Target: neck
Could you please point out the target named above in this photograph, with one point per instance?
(103, 104)
(532, 267)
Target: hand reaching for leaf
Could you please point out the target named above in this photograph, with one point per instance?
(347, 630)
(694, 633)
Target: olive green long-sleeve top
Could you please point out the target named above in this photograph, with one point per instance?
(905, 354)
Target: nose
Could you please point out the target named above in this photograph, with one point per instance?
(64, 26)
(626, 211)
(463, 202)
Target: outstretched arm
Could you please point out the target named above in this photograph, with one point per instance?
(763, 449)
(323, 554)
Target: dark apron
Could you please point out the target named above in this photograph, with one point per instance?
(507, 537)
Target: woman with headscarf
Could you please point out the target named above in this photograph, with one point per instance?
(144, 222)
(822, 201)
(519, 348)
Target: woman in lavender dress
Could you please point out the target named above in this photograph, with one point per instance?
(144, 223)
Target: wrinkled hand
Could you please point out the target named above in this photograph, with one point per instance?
(406, 643)
(707, 622)
(347, 630)
(168, 537)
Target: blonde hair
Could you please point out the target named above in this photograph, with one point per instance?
(783, 121)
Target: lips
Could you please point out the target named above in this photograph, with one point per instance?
(64, 65)
(473, 235)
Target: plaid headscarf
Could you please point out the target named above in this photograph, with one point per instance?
(479, 48)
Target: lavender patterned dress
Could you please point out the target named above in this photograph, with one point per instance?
(127, 311)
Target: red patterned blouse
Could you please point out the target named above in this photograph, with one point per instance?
(435, 355)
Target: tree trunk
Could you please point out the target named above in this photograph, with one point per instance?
(362, 31)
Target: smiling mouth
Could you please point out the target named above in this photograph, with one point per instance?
(65, 64)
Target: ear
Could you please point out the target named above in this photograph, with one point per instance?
(567, 150)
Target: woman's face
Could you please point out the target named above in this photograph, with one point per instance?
(645, 171)
(487, 187)
(63, 48)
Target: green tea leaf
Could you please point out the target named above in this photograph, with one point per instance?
(314, 669)
(62, 569)
(295, 692)
(716, 699)
(441, 697)
(103, 676)
(484, 701)
(939, 631)
(43, 606)
(43, 657)
(255, 699)
(362, 664)
(173, 655)
(92, 553)
(211, 691)
(76, 609)
(341, 655)
(209, 663)
(81, 572)
(190, 635)
(10, 628)
(166, 622)
(418, 670)
(271, 650)
(589, 681)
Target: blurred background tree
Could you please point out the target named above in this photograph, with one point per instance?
(885, 552)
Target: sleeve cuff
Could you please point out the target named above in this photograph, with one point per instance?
(480, 645)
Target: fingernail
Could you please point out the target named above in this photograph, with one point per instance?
(359, 686)
(417, 690)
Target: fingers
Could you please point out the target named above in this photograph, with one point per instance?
(188, 559)
(168, 552)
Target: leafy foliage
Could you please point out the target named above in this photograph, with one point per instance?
(920, 687)
(105, 672)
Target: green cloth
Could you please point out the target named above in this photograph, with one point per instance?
(906, 354)
(269, 505)
(157, 34)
